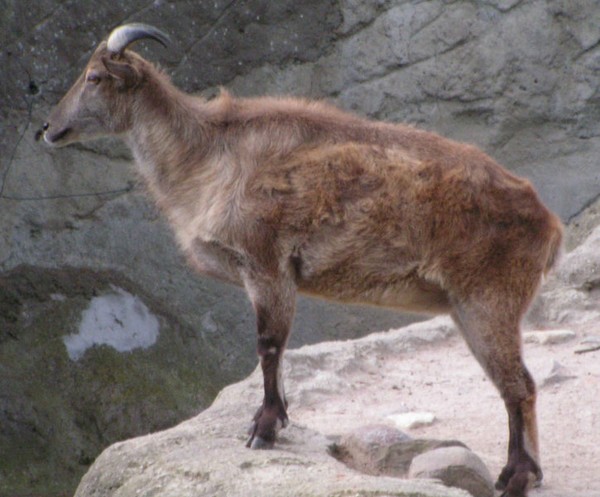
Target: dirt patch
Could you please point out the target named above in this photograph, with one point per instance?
(446, 380)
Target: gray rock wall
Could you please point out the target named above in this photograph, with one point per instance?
(517, 78)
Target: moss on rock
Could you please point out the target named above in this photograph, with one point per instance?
(57, 414)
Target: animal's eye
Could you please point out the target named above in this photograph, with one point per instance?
(93, 78)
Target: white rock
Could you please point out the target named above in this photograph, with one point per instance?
(549, 337)
(408, 420)
(591, 340)
(558, 373)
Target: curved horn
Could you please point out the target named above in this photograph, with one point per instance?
(123, 36)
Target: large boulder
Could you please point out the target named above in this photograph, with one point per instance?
(205, 456)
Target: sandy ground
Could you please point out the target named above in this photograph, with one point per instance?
(445, 379)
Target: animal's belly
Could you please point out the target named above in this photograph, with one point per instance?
(409, 293)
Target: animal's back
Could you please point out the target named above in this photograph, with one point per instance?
(375, 223)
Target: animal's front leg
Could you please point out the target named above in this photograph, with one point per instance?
(274, 303)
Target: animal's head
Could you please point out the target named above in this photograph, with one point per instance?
(100, 102)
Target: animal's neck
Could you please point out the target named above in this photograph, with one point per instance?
(167, 136)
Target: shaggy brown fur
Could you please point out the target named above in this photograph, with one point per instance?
(287, 195)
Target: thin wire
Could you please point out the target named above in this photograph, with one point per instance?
(14, 151)
(127, 189)
(17, 198)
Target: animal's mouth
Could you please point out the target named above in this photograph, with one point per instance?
(54, 138)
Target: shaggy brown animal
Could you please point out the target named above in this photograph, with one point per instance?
(286, 195)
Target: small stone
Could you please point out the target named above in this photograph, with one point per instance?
(557, 374)
(455, 467)
(548, 337)
(379, 435)
(383, 450)
(409, 420)
(591, 340)
(589, 344)
(365, 448)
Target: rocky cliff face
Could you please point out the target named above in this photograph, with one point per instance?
(205, 456)
(88, 358)
(518, 78)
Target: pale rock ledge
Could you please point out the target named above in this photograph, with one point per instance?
(206, 456)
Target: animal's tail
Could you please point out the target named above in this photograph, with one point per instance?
(554, 243)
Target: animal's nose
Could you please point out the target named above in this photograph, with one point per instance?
(40, 132)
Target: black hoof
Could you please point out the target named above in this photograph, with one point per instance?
(528, 474)
(518, 483)
(258, 443)
(267, 423)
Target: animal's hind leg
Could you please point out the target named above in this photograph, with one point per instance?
(493, 336)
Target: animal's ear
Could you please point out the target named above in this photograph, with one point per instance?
(127, 75)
